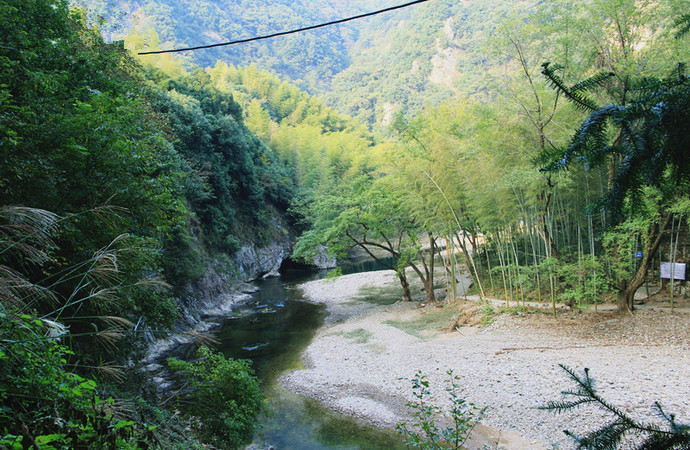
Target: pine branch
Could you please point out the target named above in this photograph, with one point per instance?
(574, 94)
(609, 436)
(592, 82)
(606, 438)
(684, 23)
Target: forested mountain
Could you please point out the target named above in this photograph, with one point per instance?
(367, 69)
(313, 57)
(420, 57)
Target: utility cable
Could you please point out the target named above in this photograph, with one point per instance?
(283, 33)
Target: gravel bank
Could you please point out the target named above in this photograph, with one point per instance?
(360, 365)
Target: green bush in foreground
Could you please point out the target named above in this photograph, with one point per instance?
(45, 405)
(652, 436)
(223, 394)
(425, 432)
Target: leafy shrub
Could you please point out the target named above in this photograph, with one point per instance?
(223, 394)
(488, 315)
(47, 400)
(47, 406)
(427, 432)
(582, 282)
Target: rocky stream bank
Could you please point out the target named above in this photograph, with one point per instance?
(361, 363)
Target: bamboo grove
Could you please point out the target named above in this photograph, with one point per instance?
(563, 184)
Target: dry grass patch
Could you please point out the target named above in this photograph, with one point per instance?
(378, 295)
(360, 335)
(430, 324)
(446, 318)
(468, 314)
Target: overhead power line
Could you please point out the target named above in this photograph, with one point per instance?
(283, 33)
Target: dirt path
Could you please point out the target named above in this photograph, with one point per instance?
(361, 363)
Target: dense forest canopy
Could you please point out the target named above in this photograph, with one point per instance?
(119, 185)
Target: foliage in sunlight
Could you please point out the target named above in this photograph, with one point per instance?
(429, 429)
(223, 394)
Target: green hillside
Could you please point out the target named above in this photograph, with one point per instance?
(313, 57)
(436, 50)
(367, 69)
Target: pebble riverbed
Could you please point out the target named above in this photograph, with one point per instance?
(510, 367)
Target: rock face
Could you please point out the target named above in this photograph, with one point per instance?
(323, 261)
(201, 308)
(214, 294)
(254, 261)
(260, 262)
(212, 297)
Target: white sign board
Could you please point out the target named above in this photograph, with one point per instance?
(677, 269)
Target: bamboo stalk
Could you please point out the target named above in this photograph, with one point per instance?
(488, 264)
(503, 273)
(518, 285)
(457, 221)
(674, 255)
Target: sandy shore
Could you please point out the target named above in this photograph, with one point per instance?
(361, 365)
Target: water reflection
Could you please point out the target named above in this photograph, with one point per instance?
(272, 330)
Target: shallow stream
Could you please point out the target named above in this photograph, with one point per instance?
(272, 330)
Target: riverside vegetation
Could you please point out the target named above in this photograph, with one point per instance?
(425, 432)
(138, 206)
(122, 180)
(426, 429)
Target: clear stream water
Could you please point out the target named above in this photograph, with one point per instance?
(272, 330)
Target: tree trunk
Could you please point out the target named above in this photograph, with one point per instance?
(407, 295)
(545, 197)
(429, 285)
(426, 277)
(429, 289)
(627, 291)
